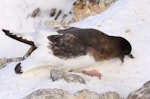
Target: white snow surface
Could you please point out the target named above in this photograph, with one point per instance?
(126, 18)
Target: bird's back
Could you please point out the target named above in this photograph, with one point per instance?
(74, 42)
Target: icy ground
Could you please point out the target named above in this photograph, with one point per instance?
(126, 18)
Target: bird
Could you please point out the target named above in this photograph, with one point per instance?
(66, 49)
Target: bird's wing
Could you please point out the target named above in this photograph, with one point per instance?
(22, 37)
(67, 45)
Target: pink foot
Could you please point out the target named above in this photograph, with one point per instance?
(89, 73)
(92, 73)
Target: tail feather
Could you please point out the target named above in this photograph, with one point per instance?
(13, 36)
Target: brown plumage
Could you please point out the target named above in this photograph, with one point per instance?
(74, 42)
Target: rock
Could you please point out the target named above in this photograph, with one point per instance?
(85, 8)
(107, 2)
(85, 94)
(35, 12)
(53, 12)
(61, 94)
(142, 93)
(4, 61)
(57, 25)
(93, 2)
(81, 10)
(58, 14)
(96, 2)
(15, 59)
(57, 74)
(50, 94)
(110, 95)
(60, 74)
(74, 78)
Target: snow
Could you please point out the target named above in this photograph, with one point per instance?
(126, 18)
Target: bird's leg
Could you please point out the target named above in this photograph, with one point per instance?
(122, 58)
(32, 48)
(92, 72)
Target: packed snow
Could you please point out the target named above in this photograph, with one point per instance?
(126, 18)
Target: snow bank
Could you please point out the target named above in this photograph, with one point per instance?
(126, 18)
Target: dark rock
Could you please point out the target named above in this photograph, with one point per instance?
(35, 12)
(58, 14)
(93, 2)
(53, 12)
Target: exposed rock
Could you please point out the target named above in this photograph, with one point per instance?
(85, 94)
(35, 12)
(57, 74)
(107, 2)
(74, 78)
(52, 12)
(56, 24)
(96, 2)
(58, 14)
(86, 8)
(4, 61)
(60, 74)
(61, 94)
(55, 12)
(142, 93)
(81, 9)
(49, 94)
(15, 59)
(110, 95)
